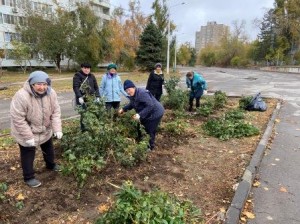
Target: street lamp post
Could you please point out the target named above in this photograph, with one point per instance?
(168, 47)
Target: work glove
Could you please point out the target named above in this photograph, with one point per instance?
(81, 100)
(121, 111)
(136, 117)
(189, 89)
(58, 135)
(205, 92)
(30, 142)
(97, 100)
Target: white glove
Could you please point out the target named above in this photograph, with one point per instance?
(97, 100)
(121, 111)
(58, 135)
(30, 142)
(205, 92)
(136, 117)
(81, 101)
(189, 89)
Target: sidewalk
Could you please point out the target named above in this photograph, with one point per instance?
(276, 200)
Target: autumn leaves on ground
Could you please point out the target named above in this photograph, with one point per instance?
(186, 163)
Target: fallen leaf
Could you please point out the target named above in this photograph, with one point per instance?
(249, 215)
(256, 184)
(283, 189)
(277, 120)
(243, 219)
(103, 208)
(222, 210)
(20, 197)
(235, 186)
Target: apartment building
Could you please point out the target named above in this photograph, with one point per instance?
(12, 12)
(210, 34)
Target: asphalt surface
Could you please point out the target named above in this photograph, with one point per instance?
(276, 200)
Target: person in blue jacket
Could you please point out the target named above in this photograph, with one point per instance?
(148, 110)
(111, 88)
(197, 86)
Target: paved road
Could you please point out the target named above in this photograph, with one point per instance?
(231, 81)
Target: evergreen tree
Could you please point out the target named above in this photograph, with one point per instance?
(150, 49)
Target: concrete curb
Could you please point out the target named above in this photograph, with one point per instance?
(241, 194)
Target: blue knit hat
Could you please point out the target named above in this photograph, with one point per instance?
(110, 66)
(38, 76)
(128, 84)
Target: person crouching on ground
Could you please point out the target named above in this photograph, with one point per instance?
(148, 110)
(197, 86)
(35, 116)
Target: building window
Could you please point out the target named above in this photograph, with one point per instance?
(1, 18)
(8, 36)
(9, 19)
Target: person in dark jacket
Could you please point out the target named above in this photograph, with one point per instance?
(156, 81)
(148, 110)
(85, 84)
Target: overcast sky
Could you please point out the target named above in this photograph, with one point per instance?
(190, 16)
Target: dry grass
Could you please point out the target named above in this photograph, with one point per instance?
(13, 81)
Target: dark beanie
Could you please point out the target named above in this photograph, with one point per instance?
(128, 84)
(38, 76)
(110, 66)
(86, 65)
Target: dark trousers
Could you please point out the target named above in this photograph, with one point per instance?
(191, 102)
(195, 94)
(150, 128)
(115, 105)
(157, 96)
(28, 155)
(82, 126)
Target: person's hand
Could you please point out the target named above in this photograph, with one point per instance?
(189, 89)
(136, 117)
(121, 111)
(58, 135)
(205, 92)
(30, 142)
(81, 100)
(97, 100)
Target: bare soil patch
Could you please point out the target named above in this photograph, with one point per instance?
(194, 166)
